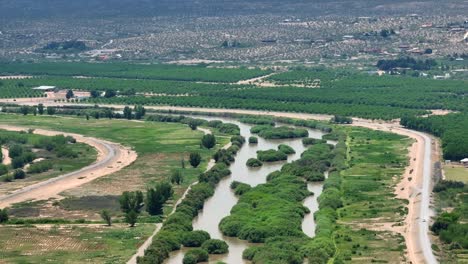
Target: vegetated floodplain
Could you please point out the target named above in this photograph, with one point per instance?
(162, 147)
(357, 195)
(36, 157)
(272, 213)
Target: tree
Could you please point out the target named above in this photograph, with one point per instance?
(3, 169)
(176, 177)
(195, 159)
(40, 109)
(208, 141)
(19, 174)
(131, 204)
(193, 124)
(94, 93)
(131, 201)
(15, 151)
(428, 51)
(107, 217)
(131, 218)
(51, 110)
(69, 94)
(109, 93)
(140, 111)
(3, 215)
(127, 113)
(157, 196)
(24, 109)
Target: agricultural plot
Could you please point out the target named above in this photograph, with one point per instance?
(134, 71)
(70, 243)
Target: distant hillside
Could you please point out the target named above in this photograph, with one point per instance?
(27, 9)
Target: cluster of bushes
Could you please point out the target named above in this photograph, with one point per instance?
(269, 132)
(313, 163)
(226, 128)
(240, 188)
(452, 227)
(177, 230)
(40, 167)
(253, 140)
(271, 155)
(259, 215)
(337, 119)
(312, 141)
(253, 162)
(286, 149)
(257, 121)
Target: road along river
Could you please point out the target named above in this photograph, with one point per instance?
(220, 204)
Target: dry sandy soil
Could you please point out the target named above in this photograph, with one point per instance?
(6, 159)
(111, 158)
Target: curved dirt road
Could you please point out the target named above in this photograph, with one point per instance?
(417, 191)
(111, 158)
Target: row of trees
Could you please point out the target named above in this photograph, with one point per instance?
(450, 128)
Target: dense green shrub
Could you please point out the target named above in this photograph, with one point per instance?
(195, 238)
(195, 255)
(271, 155)
(40, 167)
(240, 188)
(253, 162)
(286, 149)
(19, 174)
(312, 141)
(215, 246)
(253, 140)
(3, 169)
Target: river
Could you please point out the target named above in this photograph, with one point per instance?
(220, 204)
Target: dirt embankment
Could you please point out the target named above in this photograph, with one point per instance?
(111, 158)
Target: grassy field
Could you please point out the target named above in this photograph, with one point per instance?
(456, 173)
(70, 243)
(369, 203)
(59, 163)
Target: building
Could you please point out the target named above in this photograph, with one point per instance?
(464, 162)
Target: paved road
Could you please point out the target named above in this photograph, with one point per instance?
(425, 211)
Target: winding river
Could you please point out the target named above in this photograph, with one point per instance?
(220, 204)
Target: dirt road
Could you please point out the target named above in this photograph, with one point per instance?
(111, 158)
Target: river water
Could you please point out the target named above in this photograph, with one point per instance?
(220, 204)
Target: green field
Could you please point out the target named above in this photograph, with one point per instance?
(160, 148)
(62, 159)
(70, 243)
(456, 173)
